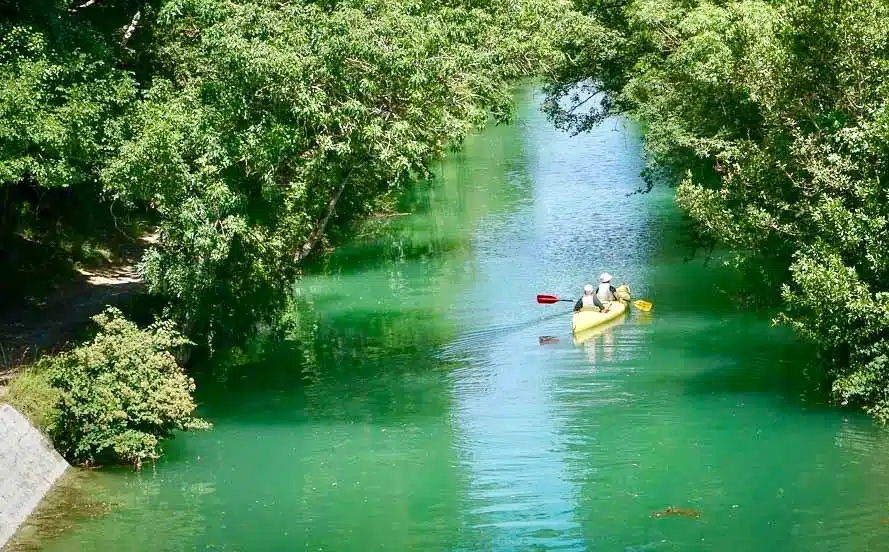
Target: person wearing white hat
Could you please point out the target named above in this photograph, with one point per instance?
(589, 300)
(606, 292)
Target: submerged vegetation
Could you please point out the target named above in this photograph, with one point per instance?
(772, 119)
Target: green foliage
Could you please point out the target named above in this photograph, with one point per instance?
(276, 124)
(59, 89)
(121, 393)
(772, 116)
(62, 87)
(252, 131)
(32, 394)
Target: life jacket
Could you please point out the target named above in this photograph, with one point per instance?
(623, 293)
(588, 302)
(604, 292)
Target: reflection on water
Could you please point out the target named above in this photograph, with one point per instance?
(421, 399)
(598, 343)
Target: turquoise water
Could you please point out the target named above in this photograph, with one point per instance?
(413, 405)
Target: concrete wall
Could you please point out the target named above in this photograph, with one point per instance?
(29, 466)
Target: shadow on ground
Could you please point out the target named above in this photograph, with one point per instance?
(50, 301)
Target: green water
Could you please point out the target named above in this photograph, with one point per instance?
(415, 408)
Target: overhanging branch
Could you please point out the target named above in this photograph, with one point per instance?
(86, 4)
(316, 234)
(131, 28)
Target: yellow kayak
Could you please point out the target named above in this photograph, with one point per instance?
(586, 319)
(584, 336)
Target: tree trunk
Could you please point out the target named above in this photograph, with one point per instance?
(316, 234)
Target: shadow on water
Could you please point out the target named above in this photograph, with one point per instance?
(774, 371)
(383, 253)
(734, 350)
(337, 357)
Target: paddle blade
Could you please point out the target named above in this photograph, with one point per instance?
(547, 299)
(642, 305)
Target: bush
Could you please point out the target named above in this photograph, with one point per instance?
(121, 393)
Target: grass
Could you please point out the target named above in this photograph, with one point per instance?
(31, 394)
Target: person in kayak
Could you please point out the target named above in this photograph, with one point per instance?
(589, 300)
(606, 292)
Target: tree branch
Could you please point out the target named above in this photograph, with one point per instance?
(577, 105)
(86, 4)
(316, 234)
(128, 34)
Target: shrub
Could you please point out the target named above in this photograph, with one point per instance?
(121, 393)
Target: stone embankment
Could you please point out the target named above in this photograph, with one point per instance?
(29, 466)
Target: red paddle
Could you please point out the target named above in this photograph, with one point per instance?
(550, 299)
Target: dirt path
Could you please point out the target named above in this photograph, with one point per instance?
(27, 332)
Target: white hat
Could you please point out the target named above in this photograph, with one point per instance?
(588, 289)
(605, 277)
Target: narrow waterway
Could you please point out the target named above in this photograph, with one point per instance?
(413, 406)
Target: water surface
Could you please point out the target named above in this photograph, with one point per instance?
(414, 407)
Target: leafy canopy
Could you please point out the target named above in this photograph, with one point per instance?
(772, 118)
(274, 123)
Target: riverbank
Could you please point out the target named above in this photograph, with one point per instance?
(770, 120)
(30, 467)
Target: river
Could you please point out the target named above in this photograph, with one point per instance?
(413, 405)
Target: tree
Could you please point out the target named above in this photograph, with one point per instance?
(771, 117)
(277, 122)
(121, 393)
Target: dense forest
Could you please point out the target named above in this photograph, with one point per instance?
(247, 136)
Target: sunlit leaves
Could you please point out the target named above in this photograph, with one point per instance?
(252, 130)
(280, 121)
(56, 100)
(773, 113)
(121, 393)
